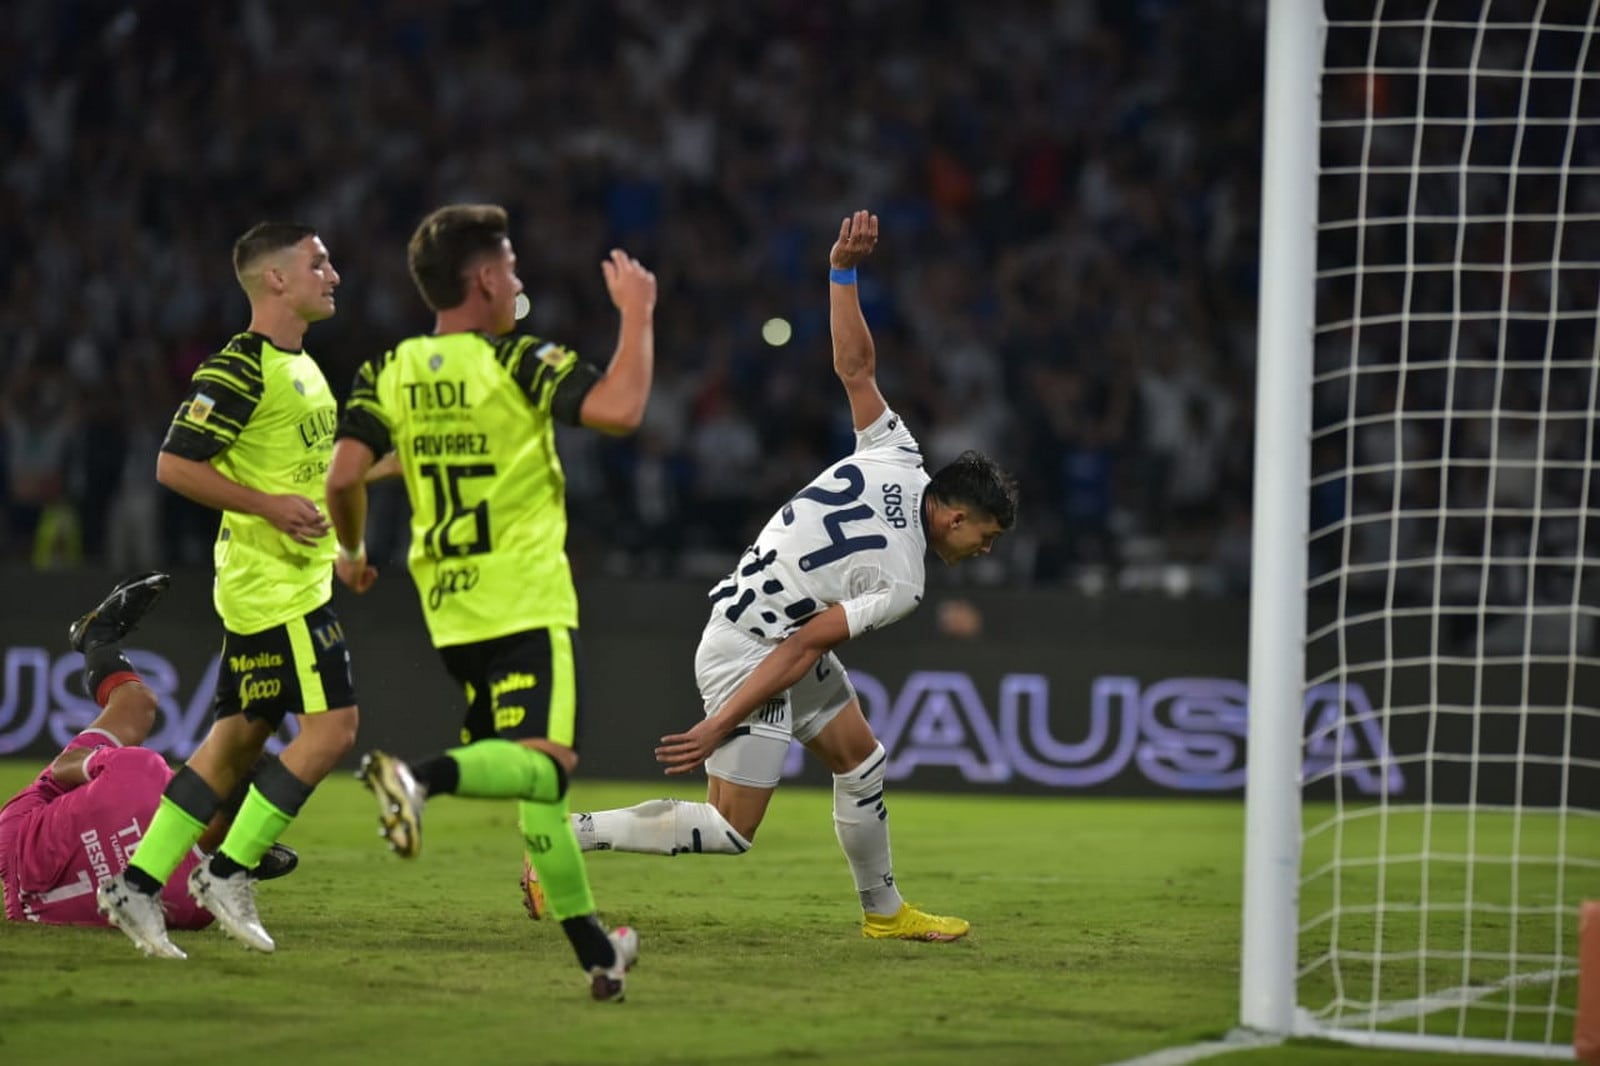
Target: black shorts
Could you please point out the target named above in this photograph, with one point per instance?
(300, 667)
(520, 686)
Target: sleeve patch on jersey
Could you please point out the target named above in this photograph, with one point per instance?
(200, 408)
(551, 354)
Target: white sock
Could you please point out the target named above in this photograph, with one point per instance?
(862, 823)
(659, 827)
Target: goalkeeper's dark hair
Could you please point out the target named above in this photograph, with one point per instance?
(445, 245)
(976, 481)
(263, 239)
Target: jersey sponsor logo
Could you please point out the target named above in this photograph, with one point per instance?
(512, 683)
(437, 395)
(449, 580)
(200, 408)
(894, 506)
(243, 664)
(306, 473)
(253, 689)
(328, 635)
(318, 427)
(445, 444)
(511, 716)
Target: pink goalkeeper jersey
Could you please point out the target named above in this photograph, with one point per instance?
(58, 844)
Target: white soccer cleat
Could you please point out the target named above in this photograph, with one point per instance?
(137, 915)
(609, 985)
(400, 801)
(232, 902)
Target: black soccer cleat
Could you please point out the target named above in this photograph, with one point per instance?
(278, 861)
(119, 613)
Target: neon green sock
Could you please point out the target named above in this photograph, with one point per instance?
(254, 828)
(557, 859)
(503, 769)
(173, 831)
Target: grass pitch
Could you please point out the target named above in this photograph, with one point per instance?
(1102, 930)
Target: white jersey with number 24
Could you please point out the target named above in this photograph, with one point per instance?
(853, 536)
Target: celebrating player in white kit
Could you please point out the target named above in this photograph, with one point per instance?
(842, 557)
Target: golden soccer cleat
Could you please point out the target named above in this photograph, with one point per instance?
(400, 801)
(532, 892)
(909, 923)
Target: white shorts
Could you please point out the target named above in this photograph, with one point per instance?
(753, 755)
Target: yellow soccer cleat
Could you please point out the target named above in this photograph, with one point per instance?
(911, 924)
(532, 892)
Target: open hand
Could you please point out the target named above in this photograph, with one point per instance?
(858, 236)
(683, 752)
(632, 287)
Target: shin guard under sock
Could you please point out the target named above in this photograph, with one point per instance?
(186, 806)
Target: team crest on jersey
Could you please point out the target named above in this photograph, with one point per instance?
(551, 354)
(200, 407)
(435, 362)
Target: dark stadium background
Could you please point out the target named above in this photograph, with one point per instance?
(1068, 195)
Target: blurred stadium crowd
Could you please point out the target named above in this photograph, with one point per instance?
(1456, 377)
(1068, 194)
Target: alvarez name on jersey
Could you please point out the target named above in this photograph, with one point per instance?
(853, 536)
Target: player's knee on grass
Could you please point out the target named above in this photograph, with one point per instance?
(136, 769)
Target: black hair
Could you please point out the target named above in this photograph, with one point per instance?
(977, 481)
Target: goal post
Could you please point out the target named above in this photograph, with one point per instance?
(1423, 788)
(1278, 535)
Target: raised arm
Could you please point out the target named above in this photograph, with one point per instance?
(854, 358)
(616, 403)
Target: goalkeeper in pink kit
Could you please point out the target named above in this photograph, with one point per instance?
(79, 821)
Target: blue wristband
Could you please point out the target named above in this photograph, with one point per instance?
(847, 276)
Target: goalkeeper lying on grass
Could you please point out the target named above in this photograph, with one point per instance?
(75, 826)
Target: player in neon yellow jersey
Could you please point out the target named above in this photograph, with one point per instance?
(469, 411)
(253, 435)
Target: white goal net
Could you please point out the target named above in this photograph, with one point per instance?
(1451, 787)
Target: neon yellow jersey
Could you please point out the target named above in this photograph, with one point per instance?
(265, 418)
(473, 422)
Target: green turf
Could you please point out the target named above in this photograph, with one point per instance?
(1102, 930)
